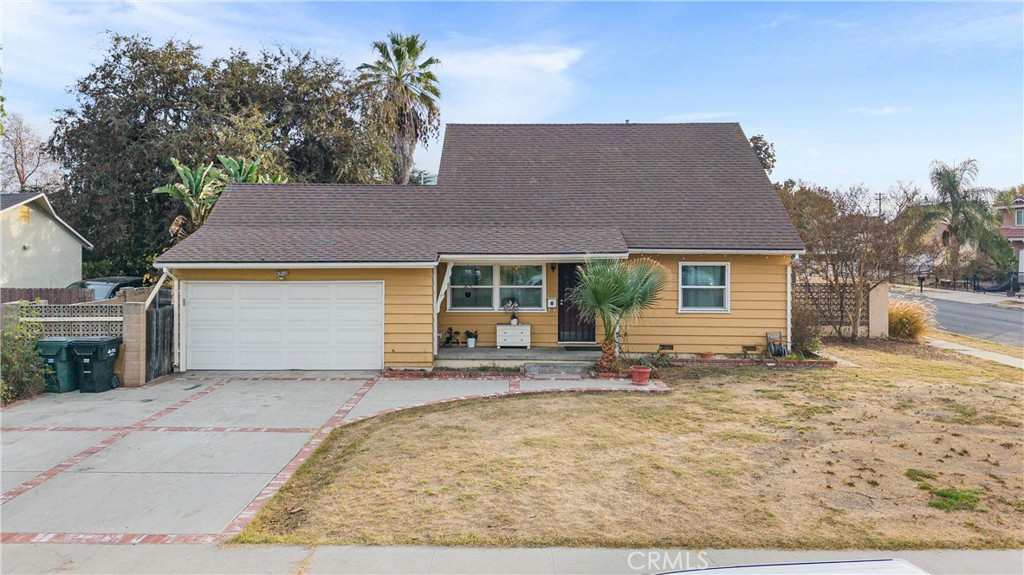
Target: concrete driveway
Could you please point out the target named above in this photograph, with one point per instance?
(192, 459)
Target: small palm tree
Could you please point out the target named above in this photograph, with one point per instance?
(616, 292)
(407, 89)
(198, 190)
(964, 209)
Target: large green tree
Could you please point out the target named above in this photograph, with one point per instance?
(407, 93)
(765, 152)
(965, 212)
(145, 103)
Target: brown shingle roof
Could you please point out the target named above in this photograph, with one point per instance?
(518, 189)
(11, 200)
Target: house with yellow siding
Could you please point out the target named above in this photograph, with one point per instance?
(326, 276)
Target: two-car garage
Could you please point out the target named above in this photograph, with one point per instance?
(260, 325)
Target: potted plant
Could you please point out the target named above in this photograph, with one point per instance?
(451, 337)
(470, 338)
(641, 371)
(706, 355)
(512, 306)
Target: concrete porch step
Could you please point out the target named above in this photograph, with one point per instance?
(556, 370)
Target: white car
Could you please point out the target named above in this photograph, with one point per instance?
(860, 567)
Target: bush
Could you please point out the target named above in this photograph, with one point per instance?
(910, 319)
(22, 370)
(806, 329)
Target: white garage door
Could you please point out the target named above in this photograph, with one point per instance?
(284, 325)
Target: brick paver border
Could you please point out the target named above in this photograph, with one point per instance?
(246, 516)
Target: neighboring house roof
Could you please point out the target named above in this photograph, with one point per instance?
(1013, 233)
(518, 190)
(42, 203)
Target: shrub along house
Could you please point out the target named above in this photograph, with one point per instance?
(296, 276)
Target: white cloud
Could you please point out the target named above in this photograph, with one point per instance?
(520, 83)
(698, 116)
(515, 83)
(883, 111)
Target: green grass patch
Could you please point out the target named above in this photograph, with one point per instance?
(920, 475)
(953, 499)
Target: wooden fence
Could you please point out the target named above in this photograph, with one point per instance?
(159, 342)
(56, 296)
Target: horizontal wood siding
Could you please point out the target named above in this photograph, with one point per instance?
(408, 317)
(758, 304)
(543, 325)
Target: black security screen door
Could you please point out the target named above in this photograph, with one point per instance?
(571, 327)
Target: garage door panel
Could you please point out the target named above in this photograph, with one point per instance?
(266, 336)
(312, 292)
(210, 357)
(259, 291)
(259, 359)
(260, 314)
(288, 325)
(213, 292)
(319, 336)
(207, 314)
(212, 335)
(309, 314)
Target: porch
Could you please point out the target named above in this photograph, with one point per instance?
(463, 356)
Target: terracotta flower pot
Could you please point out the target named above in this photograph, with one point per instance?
(706, 355)
(641, 374)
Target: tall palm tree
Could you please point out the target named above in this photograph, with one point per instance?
(408, 92)
(198, 190)
(963, 208)
(616, 292)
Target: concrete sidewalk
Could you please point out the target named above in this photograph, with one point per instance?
(101, 559)
(961, 296)
(975, 352)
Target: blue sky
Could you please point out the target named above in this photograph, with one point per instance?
(850, 93)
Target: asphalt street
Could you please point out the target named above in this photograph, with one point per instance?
(994, 323)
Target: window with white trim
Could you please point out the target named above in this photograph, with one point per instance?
(703, 287)
(1020, 217)
(490, 287)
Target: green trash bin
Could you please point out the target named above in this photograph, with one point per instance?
(95, 358)
(63, 376)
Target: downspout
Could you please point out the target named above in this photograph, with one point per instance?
(156, 288)
(433, 286)
(789, 306)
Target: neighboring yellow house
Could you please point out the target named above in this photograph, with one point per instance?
(302, 276)
(39, 250)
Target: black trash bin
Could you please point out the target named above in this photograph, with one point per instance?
(96, 357)
(63, 376)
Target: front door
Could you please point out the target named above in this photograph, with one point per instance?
(572, 328)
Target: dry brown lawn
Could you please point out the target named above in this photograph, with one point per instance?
(748, 457)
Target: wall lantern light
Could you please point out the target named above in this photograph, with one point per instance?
(281, 274)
